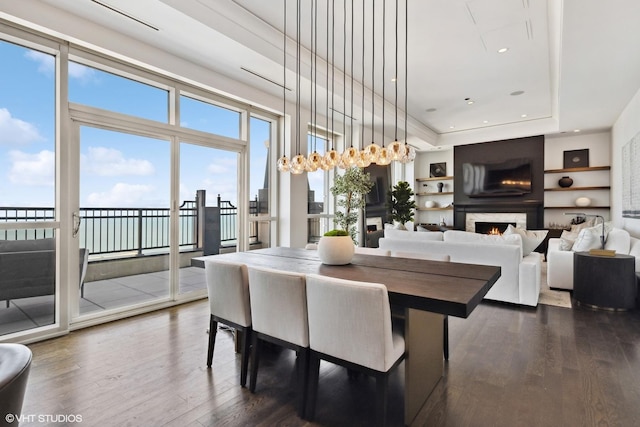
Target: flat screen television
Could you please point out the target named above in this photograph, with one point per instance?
(508, 178)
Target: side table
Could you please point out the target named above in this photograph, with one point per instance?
(604, 282)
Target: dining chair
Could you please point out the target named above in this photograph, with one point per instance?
(279, 314)
(431, 257)
(350, 325)
(228, 290)
(372, 251)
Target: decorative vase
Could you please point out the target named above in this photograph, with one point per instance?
(336, 250)
(583, 202)
(565, 182)
(440, 185)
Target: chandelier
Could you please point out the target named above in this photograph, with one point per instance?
(381, 153)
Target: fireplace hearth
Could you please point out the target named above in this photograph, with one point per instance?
(492, 227)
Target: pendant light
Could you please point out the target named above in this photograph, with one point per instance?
(284, 165)
(397, 150)
(299, 162)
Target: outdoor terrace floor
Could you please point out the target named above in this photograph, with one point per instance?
(101, 295)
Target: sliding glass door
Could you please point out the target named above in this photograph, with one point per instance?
(124, 219)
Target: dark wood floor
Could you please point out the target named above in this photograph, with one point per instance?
(509, 366)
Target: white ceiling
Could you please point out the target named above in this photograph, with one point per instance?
(576, 61)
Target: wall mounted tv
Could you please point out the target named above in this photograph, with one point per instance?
(509, 178)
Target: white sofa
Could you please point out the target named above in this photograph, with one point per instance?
(560, 262)
(519, 282)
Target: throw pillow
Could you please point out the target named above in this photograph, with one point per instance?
(589, 238)
(567, 240)
(531, 239)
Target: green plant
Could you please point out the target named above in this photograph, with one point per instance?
(334, 233)
(350, 189)
(400, 203)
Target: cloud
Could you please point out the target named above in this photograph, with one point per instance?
(14, 131)
(47, 66)
(32, 169)
(122, 195)
(46, 62)
(104, 161)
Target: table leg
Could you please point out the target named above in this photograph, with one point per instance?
(424, 363)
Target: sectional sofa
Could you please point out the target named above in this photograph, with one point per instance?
(519, 282)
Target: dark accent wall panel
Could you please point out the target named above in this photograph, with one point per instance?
(531, 148)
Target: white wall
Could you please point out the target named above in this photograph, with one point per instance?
(625, 128)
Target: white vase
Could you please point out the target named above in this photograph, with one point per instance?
(583, 201)
(336, 250)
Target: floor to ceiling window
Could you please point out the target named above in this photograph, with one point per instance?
(28, 226)
(144, 157)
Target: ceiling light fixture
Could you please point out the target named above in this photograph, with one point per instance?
(351, 156)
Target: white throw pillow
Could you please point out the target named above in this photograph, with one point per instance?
(531, 239)
(567, 240)
(589, 238)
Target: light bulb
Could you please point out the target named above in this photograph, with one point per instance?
(298, 164)
(372, 151)
(397, 150)
(363, 160)
(331, 158)
(313, 162)
(284, 165)
(350, 156)
(384, 157)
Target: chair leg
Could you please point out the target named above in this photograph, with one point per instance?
(245, 351)
(213, 328)
(303, 376)
(255, 361)
(312, 384)
(445, 337)
(381, 399)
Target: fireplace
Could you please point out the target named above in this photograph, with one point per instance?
(490, 227)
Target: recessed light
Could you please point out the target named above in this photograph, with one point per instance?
(516, 93)
(503, 50)
(523, 115)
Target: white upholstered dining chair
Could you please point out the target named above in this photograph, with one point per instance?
(431, 257)
(350, 325)
(228, 290)
(279, 315)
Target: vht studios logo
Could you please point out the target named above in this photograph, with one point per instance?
(42, 418)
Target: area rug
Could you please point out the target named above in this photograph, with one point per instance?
(552, 297)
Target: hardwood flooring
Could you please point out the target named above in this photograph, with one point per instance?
(508, 366)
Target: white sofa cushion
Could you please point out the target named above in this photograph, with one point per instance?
(531, 239)
(413, 235)
(455, 236)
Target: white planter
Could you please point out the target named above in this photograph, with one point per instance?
(336, 250)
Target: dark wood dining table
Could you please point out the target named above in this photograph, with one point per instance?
(428, 291)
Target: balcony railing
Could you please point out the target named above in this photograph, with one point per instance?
(130, 230)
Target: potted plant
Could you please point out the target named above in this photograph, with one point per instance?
(336, 247)
(401, 204)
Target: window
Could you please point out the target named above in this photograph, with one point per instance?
(206, 117)
(101, 89)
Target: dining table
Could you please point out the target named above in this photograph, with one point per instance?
(427, 291)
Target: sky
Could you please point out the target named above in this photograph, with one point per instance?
(116, 169)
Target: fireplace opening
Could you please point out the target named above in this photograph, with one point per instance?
(492, 227)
